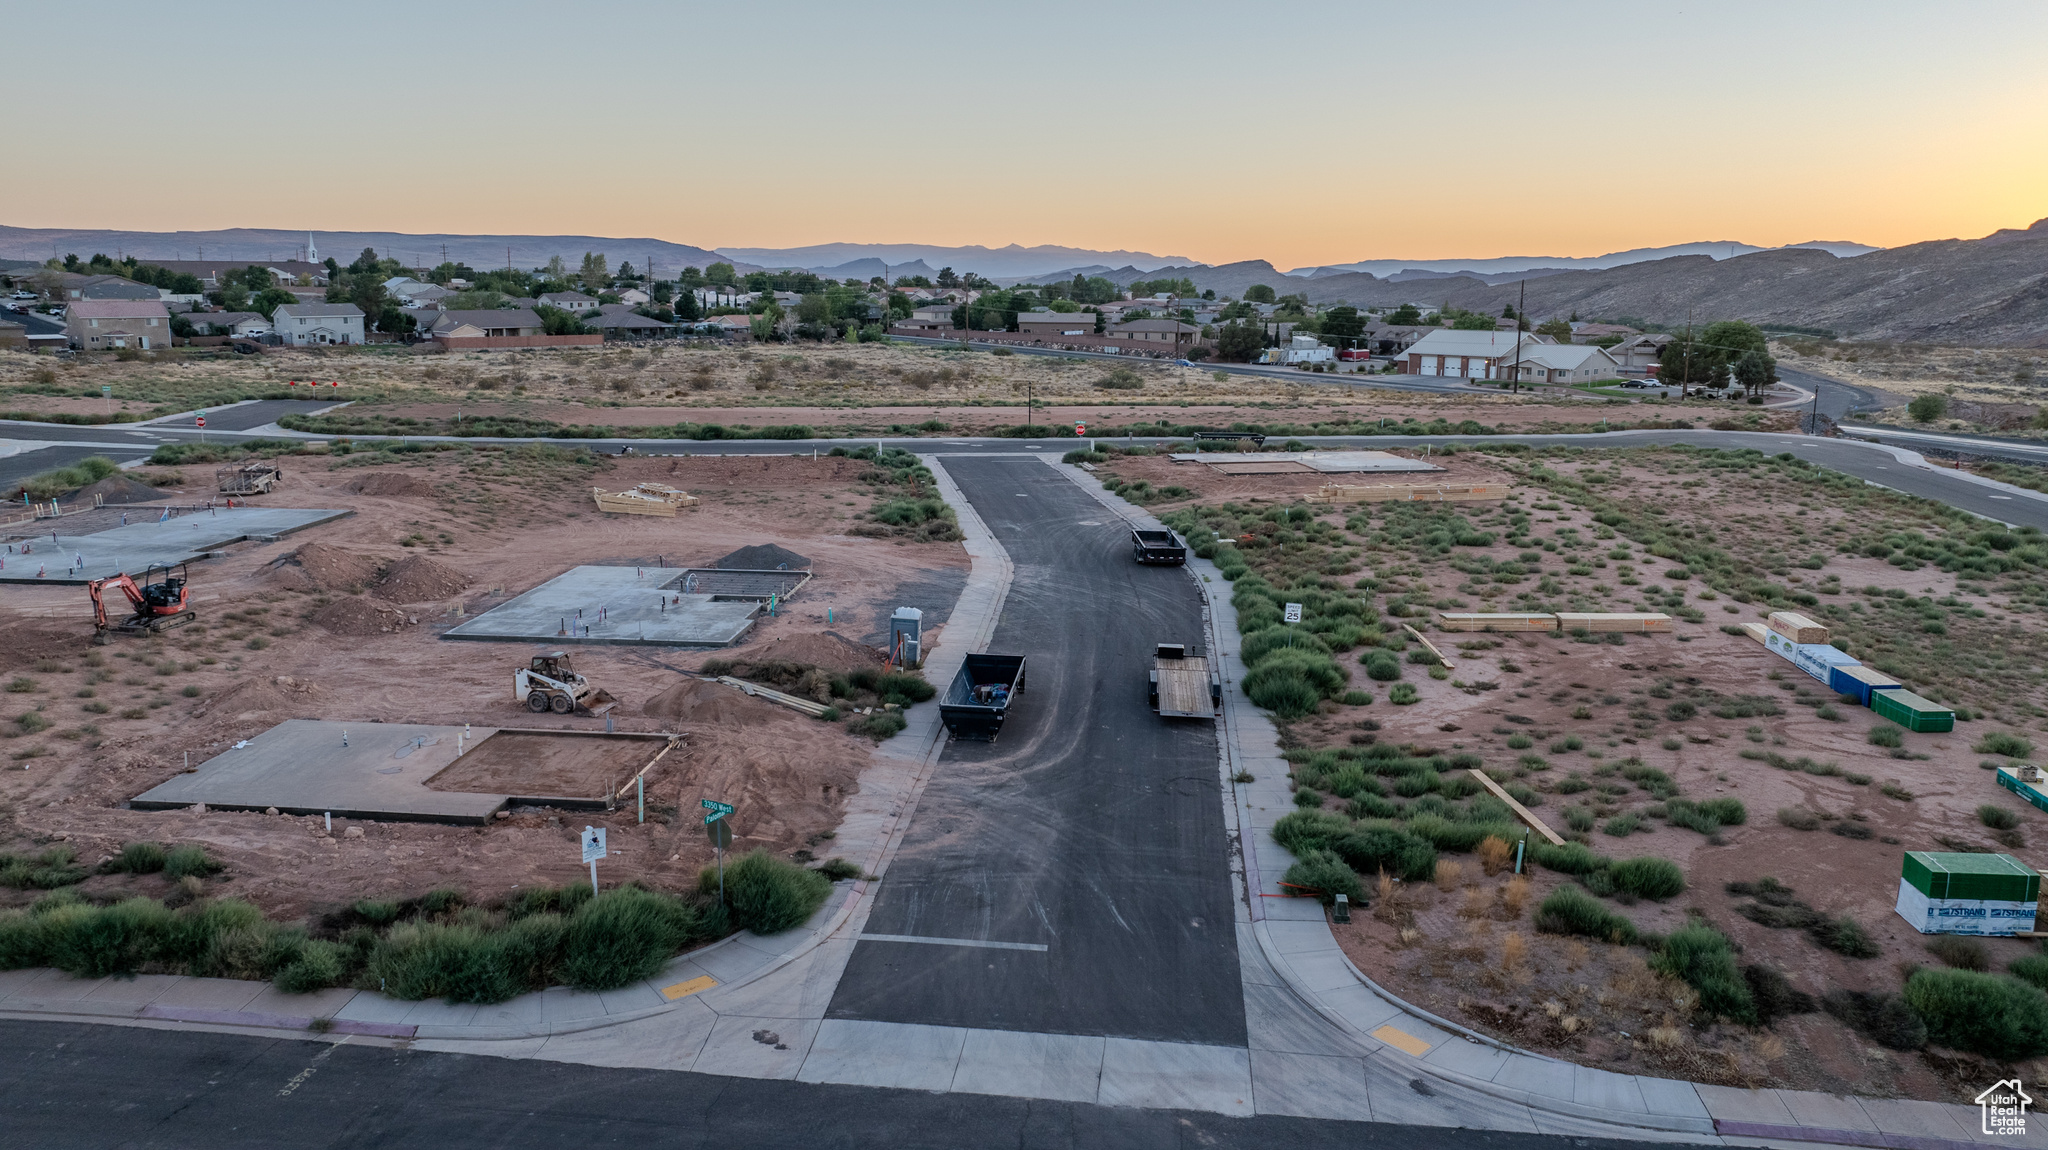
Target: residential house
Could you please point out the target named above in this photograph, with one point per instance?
(574, 301)
(728, 323)
(617, 321)
(1052, 323)
(1588, 332)
(111, 287)
(1560, 363)
(99, 325)
(633, 297)
(938, 317)
(39, 332)
(1393, 339)
(1639, 354)
(413, 293)
(1466, 354)
(497, 322)
(1158, 331)
(308, 324)
(237, 323)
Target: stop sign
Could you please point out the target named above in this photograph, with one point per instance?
(201, 420)
(1080, 427)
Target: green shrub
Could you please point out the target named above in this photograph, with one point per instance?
(1988, 1014)
(1308, 798)
(1881, 1016)
(1844, 936)
(1571, 858)
(1886, 736)
(53, 868)
(137, 858)
(319, 965)
(1623, 825)
(1570, 910)
(1380, 665)
(768, 895)
(97, 942)
(1706, 817)
(1446, 835)
(189, 859)
(1290, 682)
(2031, 968)
(1997, 818)
(2004, 743)
(1260, 644)
(1356, 698)
(879, 725)
(1370, 850)
(626, 934)
(1303, 832)
(1701, 957)
(1327, 875)
(1959, 951)
(1403, 694)
(1647, 877)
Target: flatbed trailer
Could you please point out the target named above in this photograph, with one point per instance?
(1183, 686)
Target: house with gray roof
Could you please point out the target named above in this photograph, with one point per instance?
(317, 324)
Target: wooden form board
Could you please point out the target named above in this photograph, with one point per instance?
(1600, 621)
(1467, 621)
(1542, 828)
(1448, 665)
(1184, 688)
(646, 499)
(1757, 631)
(1408, 492)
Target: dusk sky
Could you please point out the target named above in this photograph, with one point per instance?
(1308, 134)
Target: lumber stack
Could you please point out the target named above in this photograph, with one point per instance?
(1480, 621)
(1797, 627)
(1408, 492)
(1651, 622)
(645, 499)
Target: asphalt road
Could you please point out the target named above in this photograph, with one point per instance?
(82, 1087)
(1092, 827)
(1838, 400)
(246, 416)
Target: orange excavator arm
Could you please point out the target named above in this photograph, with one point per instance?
(96, 589)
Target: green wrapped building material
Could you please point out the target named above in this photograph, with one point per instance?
(1911, 711)
(1989, 878)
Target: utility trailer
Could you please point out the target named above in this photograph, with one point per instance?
(1183, 686)
(1163, 547)
(248, 478)
(979, 698)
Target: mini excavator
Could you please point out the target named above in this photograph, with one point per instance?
(160, 604)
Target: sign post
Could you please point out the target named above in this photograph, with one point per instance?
(107, 394)
(720, 833)
(200, 419)
(593, 850)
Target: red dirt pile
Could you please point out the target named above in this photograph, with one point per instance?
(715, 704)
(827, 650)
(416, 578)
(355, 616)
(321, 567)
(281, 696)
(117, 489)
(391, 485)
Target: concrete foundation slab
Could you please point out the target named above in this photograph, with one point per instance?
(132, 549)
(614, 605)
(1328, 462)
(353, 770)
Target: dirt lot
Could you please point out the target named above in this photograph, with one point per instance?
(341, 623)
(1610, 735)
(511, 762)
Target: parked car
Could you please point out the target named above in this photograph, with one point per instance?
(24, 295)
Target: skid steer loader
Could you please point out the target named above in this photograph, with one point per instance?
(551, 684)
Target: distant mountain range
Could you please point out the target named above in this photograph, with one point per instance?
(1501, 266)
(1005, 263)
(271, 244)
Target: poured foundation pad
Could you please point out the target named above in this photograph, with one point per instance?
(301, 767)
(614, 605)
(138, 546)
(1281, 462)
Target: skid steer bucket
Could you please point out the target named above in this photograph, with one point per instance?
(599, 702)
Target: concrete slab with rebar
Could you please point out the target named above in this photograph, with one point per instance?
(654, 606)
(53, 557)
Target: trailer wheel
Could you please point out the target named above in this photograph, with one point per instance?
(562, 704)
(536, 701)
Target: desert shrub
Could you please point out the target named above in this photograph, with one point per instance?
(189, 859)
(879, 725)
(437, 960)
(1381, 665)
(1373, 849)
(1290, 683)
(1571, 858)
(1647, 877)
(320, 964)
(381, 912)
(2004, 743)
(1880, 1016)
(2031, 968)
(1702, 957)
(1623, 825)
(1260, 644)
(1988, 1014)
(1850, 829)
(136, 858)
(1403, 694)
(1844, 936)
(1305, 831)
(97, 942)
(1960, 952)
(1997, 818)
(53, 868)
(626, 934)
(1308, 798)
(837, 869)
(1446, 835)
(1570, 910)
(1774, 994)
(1327, 875)
(1886, 736)
(1799, 818)
(1706, 817)
(768, 895)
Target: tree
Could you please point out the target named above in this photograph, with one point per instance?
(393, 320)
(1407, 315)
(626, 270)
(366, 262)
(557, 321)
(270, 299)
(720, 275)
(1101, 323)
(664, 292)
(1471, 321)
(1928, 408)
(1239, 341)
(1556, 329)
(556, 269)
(593, 274)
(1259, 293)
(947, 279)
(687, 309)
(1343, 322)
(366, 291)
(1755, 371)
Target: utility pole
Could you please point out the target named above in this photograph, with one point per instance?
(1515, 373)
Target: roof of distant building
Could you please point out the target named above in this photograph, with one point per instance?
(319, 310)
(116, 309)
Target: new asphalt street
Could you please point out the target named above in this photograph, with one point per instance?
(1092, 827)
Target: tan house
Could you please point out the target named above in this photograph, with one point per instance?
(497, 322)
(1053, 323)
(934, 318)
(1156, 331)
(104, 324)
(1565, 363)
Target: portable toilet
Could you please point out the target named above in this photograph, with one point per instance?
(906, 631)
(1957, 893)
